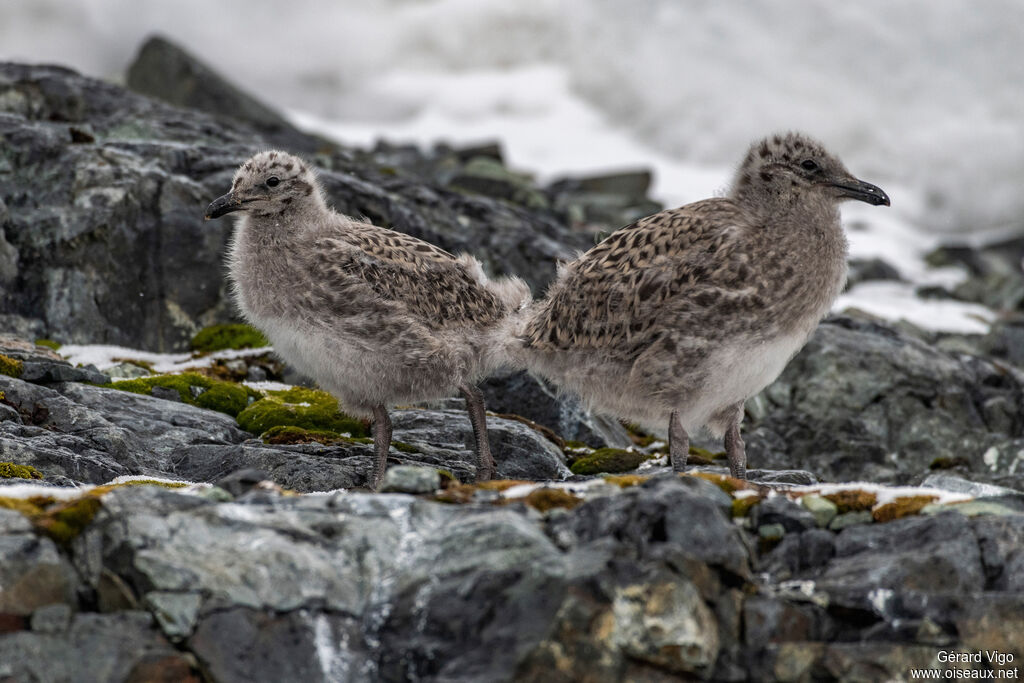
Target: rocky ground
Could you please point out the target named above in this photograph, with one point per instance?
(191, 527)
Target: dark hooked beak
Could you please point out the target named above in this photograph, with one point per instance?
(222, 205)
(865, 192)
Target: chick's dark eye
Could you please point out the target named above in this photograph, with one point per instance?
(273, 181)
(809, 165)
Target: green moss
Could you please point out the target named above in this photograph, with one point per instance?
(403, 447)
(194, 389)
(60, 520)
(8, 470)
(234, 336)
(10, 366)
(66, 521)
(741, 506)
(300, 407)
(607, 460)
(48, 343)
(638, 436)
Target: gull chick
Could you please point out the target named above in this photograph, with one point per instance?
(375, 316)
(682, 316)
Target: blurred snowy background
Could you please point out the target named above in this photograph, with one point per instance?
(923, 97)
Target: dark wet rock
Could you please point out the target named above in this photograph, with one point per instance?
(164, 70)
(48, 372)
(780, 510)
(607, 201)
(996, 276)
(524, 394)
(445, 438)
(864, 270)
(863, 401)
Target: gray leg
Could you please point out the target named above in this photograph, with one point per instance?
(485, 467)
(734, 448)
(381, 444)
(678, 443)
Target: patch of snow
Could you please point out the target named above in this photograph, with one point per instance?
(898, 301)
(105, 356)
(267, 385)
(885, 494)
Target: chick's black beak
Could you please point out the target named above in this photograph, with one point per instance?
(865, 192)
(222, 205)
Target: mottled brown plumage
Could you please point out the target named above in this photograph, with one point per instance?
(377, 317)
(683, 315)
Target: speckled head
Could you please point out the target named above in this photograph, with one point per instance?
(793, 165)
(270, 184)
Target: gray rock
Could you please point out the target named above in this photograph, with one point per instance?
(165, 71)
(954, 484)
(532, 397)
(519, 451)
(864, 402)
(33, 574)
(840, 522)
(864, 270)
(410, 479)
(53, 618)
(124, 646)
(781, 510)
(91, 434)
(50, 372)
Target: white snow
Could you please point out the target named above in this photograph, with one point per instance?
(884, 494)
(897, 301)
(69, 492)
(103, 357)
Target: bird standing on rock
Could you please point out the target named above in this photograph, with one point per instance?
(375, 316)
(682, 316)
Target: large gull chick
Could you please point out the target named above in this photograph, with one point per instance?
(375, 316)
(679, 318)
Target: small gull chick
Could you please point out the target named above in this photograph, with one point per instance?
(375, 316)
(682, 316)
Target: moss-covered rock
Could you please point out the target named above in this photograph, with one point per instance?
(233, 336)
(625, 481)
(608, 460)
(8, 470)
(901, 507)
(48, 343)
(852, 500)
(741, 505)
(300, 407)
(287, 434)
(10, 366)
(545, 499)
(195, 389)
(60, 520)
(65, 521)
